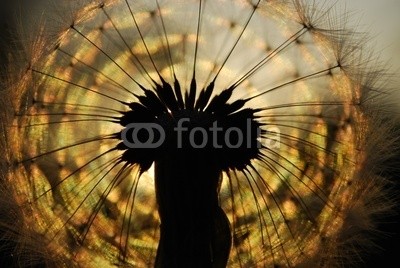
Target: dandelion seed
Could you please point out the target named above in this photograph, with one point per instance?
(264, 116)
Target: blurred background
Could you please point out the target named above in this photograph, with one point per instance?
(379, 18)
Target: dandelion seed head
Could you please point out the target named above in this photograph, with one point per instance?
(302, 80)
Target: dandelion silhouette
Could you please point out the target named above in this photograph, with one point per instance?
(264, 113)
